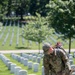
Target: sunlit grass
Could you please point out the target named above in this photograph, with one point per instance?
(3, 69)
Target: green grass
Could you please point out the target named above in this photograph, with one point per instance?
(25, 67)
(74, 60)
(3, 69)
(26, 45)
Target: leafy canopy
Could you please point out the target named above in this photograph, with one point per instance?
(36, 30)
(62, 17)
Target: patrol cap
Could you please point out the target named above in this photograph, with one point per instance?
(46, 47)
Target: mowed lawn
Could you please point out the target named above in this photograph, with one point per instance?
(3, 69)
(10, 39)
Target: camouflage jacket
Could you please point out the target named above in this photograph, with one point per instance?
(56, 62)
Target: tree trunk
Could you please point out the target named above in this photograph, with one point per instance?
(9, 7)
(69, 44)
(21, 11)
(21, 16)
(39, 47)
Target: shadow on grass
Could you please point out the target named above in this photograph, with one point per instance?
(22, 47)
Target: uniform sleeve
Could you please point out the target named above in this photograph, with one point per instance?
(65, 60)
(46, 65)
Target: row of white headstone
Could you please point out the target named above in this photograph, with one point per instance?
(30, 57)
(11, 39)
(3, 29)
(16, 70)
(33, 57)
(23, 40)
(26, 62)
(17, 39)
(71, 63)
(5, 39)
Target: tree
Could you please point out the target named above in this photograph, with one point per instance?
(3, 8)
(23, 7)
(9, 7)
(38, 6)
(20, 7)
(62, 18)
(36, 30)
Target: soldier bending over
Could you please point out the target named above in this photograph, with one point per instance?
(55, 61)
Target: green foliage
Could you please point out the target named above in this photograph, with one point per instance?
(21, 7)
(62, 17)
(38, 6)
(36, 30)
(3, 8)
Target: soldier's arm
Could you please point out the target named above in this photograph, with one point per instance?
(65, 60)
(46, 65)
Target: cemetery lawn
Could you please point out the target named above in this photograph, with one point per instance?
(16, 42)
(3, 69)
(10, 39)
(74, 60)
(25, 67)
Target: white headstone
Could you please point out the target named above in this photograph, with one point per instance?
(30, 57)
(12, 68)
(43, 70)
(30, 64)
(17, 69)
(35, 67)
(34, 58)
(70, 58)
(73, 67)
(9, 65)
(25, 62)
(38, 59)
(71, 62)
(22, 72)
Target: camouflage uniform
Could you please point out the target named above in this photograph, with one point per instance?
(56, 63)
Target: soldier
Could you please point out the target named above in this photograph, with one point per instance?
(55, 61)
